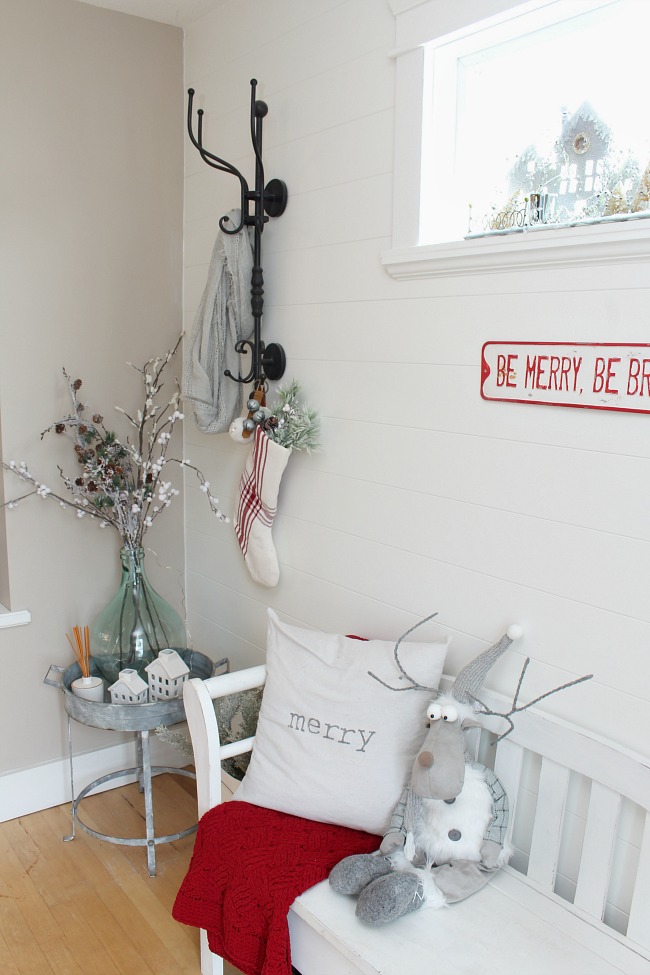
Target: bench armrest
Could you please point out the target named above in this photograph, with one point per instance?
(198, 697)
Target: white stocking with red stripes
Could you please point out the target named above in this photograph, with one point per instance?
(257, 505)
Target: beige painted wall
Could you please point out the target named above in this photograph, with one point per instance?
(91, 257)
(4, 565)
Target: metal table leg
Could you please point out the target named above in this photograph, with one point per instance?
(70, 836)
(143, 772)
(148, 801)
(139, 760)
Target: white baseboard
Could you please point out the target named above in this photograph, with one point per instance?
(33, 789)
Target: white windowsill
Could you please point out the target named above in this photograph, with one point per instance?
(531, 249)
(16, 618)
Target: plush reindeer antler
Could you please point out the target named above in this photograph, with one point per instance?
(515, 707)
(413, 684)
(471, 678)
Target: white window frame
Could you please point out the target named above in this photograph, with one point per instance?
(418, 23)
(18, 617)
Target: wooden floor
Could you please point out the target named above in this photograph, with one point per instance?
(89, 907)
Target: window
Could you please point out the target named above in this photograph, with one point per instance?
(549, 105)
(531, 119)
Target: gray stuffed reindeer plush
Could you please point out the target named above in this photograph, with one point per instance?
(448, 832)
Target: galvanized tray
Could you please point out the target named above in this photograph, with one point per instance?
(126, 717)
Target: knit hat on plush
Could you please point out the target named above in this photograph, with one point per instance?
(472, 676)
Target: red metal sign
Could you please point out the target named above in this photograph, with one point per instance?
(596, 376)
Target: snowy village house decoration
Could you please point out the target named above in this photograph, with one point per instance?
(574, 175)
(166, 675)
(585, 177)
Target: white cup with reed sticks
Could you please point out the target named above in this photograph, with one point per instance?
(86, 686)
(90, 688)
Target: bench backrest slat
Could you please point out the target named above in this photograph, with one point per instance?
(597, 851)
(547, 830)
(508, 766)
(638, 928)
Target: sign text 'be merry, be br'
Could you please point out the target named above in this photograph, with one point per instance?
(596, 376)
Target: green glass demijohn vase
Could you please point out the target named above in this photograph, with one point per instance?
(136, 624)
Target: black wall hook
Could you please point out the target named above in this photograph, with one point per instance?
(256, 205)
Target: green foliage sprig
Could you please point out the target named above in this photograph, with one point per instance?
(237, 716)
(291, 423)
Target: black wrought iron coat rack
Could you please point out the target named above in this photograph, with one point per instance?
(257, 205)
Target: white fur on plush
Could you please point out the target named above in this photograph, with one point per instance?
(506, 853)
(469, 814)
(433, 897)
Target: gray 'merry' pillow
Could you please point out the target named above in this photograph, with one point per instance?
(332, 744)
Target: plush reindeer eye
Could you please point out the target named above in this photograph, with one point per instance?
(449, 714)
(434, 712)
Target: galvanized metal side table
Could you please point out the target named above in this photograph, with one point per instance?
(138, 718)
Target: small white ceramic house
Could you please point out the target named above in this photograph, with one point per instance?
(166, 675)
(129, 688)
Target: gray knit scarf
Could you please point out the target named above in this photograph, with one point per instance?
(224, 317)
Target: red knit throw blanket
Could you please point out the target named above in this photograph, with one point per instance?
(248, 866)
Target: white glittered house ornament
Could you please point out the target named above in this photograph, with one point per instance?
(129, 688)
(166, 675)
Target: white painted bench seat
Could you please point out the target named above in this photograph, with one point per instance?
(581, 829)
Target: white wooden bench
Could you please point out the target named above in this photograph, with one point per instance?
(575, 899)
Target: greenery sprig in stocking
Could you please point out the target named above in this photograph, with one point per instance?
(291, 424)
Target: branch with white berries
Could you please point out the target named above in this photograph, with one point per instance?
(120, 483)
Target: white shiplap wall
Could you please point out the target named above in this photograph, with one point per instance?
(423, 497)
